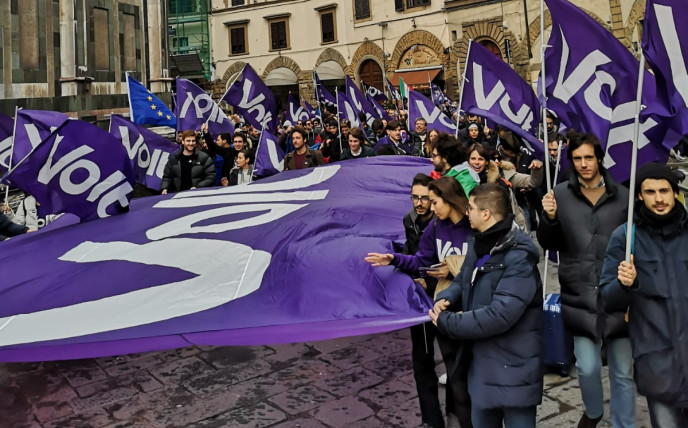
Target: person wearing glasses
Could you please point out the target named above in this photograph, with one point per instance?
(445, 237)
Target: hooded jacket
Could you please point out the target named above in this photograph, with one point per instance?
(202, 171)
(501, 322)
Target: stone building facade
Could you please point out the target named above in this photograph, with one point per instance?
(285, 40)
(72, 55)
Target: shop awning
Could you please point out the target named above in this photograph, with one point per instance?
(417, 78)
(281, 76)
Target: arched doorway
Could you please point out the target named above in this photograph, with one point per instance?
(491, 46)
(281, 82)
(371, 73)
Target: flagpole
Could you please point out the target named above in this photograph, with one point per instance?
(339, 125)
(9, 165)
(255, 156)
(317, 98)
(463, 83)
(543, 85)
(131, 110)
(556, 176)
(634, 157)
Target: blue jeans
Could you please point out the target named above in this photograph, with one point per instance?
(622, 388)
(513, 417)
(665, 416)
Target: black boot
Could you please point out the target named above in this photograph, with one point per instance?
(586, 422)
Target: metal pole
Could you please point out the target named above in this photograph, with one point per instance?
(463, 83)
(525, 11)
(9, 164)
(634, 156)
(339, 127)
(317, 97)
(545, 136)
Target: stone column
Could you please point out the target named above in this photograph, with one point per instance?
(67, 48)
(156, 24)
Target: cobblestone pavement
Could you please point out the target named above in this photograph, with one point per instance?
(356, 382)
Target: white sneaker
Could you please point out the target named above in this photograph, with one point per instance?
(442, 379)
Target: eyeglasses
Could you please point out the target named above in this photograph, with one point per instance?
(423, 199)
(497, 158)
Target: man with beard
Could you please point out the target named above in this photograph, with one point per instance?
(449, 158)
(302, 156)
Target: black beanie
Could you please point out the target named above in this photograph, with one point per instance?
(657, 172)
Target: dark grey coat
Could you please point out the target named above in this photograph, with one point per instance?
(580, 232)
(504, 325)
(658, 315)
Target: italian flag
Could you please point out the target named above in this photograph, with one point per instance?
(404, 88)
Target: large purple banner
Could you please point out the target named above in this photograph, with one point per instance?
(665, 46)
(254, 100)
(279, 260)
(591, 85)
(421, 106)
(147, 150)
(496, 92)
(195, 107)
(79, 169)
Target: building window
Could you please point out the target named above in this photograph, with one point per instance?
(328, 26)
(361, 10)
(237, 40)
(402, 5)
(182, 6)
(279, 34)
(238, 2)
(101, 30)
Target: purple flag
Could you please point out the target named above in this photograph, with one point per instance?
(421, 106)
(381, 112)
(359, 101)
(665, 46)
(392, 90)
(295, 112)
(312, 112)
(269, 156)
(254, 100)
(147, 151)
(324, 96)
(374, 93)
(195, 107)
(6, 133)
(159, 277)
(78, 168)
(31, 128)
(591, 85)
(347, 110)
(496, 92)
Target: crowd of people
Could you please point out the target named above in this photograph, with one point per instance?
(468, 246)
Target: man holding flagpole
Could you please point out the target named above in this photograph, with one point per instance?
(652, 285)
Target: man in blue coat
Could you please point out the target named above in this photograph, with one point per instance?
(653, 287)
(501, 323)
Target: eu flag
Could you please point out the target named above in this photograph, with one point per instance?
(146, 108)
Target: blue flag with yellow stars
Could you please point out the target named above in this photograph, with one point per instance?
(146, 108)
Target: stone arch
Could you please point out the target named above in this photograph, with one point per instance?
(491, 29)
(330, 54)
(281, 61)
(231, 71)
(367, 50)
(635, 15)
(416, 37)
(534, 27)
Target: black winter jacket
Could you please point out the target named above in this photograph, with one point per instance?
(202, 171)
(580, 232)
(504, 322)
(658, 315)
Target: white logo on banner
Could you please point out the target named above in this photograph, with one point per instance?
(672, 44)
(254, 107)
(153, 163)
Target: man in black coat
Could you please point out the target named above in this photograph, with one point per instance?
(187, 168)
(578, 218)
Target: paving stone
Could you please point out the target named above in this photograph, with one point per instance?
(118, 367)
(352, 356)
(260, 415)
(300, 423)
(301, 399)
(140, 381)
(222, 379)
(286, 354)
(128, 424)
(302, 372)
(406, 414)
(103, 398)
(179, 371)
(564, 420)
(15, 410)
(391, 367)
(48, 393)
(371, 422)
(92, 418)
(342, 412)
(81, 372)
(388, 394)
(327, 346)
(548, 408)
(349, 382)
(390, 345)
(228, 356)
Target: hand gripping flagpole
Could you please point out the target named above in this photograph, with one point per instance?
(634, 157)
(463, 83)
(545, 137)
